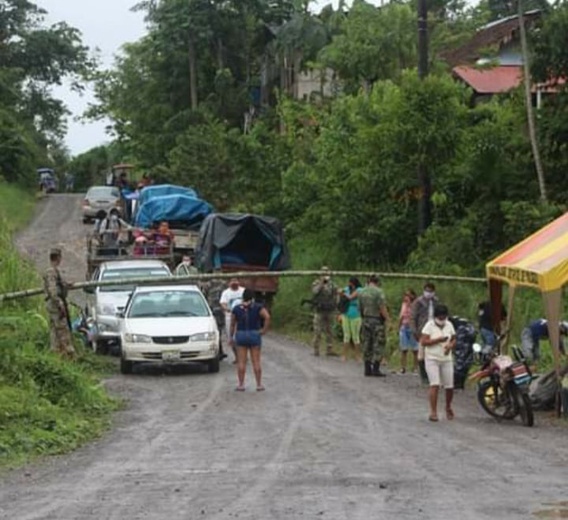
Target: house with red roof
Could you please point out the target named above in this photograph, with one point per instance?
(491, 62)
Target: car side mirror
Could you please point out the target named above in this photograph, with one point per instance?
(119, 314)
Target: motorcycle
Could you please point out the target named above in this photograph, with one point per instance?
(503, 386)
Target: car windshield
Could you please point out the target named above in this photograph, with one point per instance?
(168, 304)
(125, 274)
(102, 192)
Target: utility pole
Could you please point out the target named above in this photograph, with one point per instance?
(424, 207)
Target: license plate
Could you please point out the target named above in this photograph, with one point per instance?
(171, 355)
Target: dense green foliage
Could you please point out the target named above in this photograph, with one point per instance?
(340, 169)
(47, 405)
(33, 58)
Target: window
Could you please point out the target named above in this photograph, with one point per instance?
(125, 274)
(168, 304)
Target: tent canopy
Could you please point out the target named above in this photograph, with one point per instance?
(179, 210)
(539, 261)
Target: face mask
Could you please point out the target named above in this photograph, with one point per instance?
(429, 294)
(114, 217)
(186, 262)
(439, 322)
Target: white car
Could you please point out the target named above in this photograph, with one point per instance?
(168, 324)
(104, 302)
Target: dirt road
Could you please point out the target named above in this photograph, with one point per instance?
(321, 442)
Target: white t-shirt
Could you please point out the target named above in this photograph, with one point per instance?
(231, 298)
(436, 352)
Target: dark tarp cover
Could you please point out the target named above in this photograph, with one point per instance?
(159, 190)
(242, 239)
(181, 209)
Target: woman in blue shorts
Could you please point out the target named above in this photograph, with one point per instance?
(249, 322)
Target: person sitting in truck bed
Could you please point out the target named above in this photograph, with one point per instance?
(163, 238)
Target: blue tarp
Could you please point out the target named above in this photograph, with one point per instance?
(151, 192)
(183, 209)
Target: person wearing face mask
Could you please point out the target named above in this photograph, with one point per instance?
(185, 268)
(439, 340)
(110, 229)
(230, 297)
(249, 322)
(422, 311)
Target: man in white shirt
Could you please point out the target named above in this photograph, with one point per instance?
(230, 297)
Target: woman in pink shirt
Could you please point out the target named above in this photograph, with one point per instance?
(406, 337)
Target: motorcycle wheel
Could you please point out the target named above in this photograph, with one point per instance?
(496, 402)
(524, 405)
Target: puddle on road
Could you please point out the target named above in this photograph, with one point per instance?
(554, 510)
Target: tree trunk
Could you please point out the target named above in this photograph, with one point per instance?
(192, 73)
(528, 102)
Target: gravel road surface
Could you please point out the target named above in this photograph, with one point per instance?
(321, 442)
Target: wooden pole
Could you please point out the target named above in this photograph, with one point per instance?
(180, 280)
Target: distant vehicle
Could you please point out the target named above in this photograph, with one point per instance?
(98, 198)
(47, 180)
(104, 302)
(235, 242)
(168, 324)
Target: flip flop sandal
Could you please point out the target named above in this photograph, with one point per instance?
(433, 419)
(450, 415)
(240, 389)
(260, 389)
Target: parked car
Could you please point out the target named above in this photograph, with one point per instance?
(104, 302)
(168, 324)
(101, 197)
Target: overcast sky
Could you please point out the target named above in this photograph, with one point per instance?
(106, 25)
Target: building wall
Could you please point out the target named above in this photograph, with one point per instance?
(309, 83)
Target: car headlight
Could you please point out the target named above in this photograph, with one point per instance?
(106, 309)
(202, 336)
(137, 338)
(103, 327)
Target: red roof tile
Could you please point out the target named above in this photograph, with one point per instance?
(492, 80)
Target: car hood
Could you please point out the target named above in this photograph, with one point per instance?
(116, 299)
(169, 326)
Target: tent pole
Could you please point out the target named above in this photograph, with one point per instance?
(510, 305)
(552, 305)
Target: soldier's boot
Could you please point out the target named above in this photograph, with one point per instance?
(377, 370)
(368, 368)
(316, 351)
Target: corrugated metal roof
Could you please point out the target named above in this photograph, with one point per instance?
(493, 80)
(500, 79)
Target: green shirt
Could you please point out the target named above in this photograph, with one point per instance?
(371, 299)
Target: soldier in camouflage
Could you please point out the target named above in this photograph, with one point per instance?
(324, 294)
(56, 294)
(213, 290)
(372, 305)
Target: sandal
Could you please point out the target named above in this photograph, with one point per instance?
(240, 388)
(433, 418)
(449, 414)
(260, 388)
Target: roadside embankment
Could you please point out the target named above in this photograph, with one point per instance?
(47, 405)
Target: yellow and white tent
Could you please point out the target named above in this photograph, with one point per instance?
(539, 261)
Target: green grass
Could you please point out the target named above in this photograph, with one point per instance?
(47, 405)
(16, 206)
(293, 320)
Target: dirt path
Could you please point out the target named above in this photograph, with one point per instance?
(321, 442)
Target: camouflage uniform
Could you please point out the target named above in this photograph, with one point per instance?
(56, 292)
(373, 332)
(324, 295)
